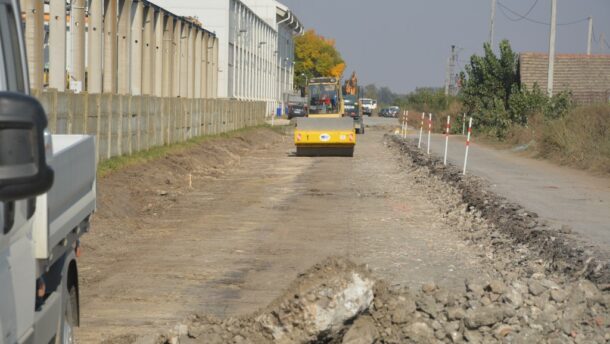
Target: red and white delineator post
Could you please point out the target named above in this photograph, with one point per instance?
(467, 144)
(421, 129)
(447, 139)
(429, 130)
(463, 124)
(405, 123)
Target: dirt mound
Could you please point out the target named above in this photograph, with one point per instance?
(512, 230)
(337, 301)
(315, 308)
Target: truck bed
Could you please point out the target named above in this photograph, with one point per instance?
(71, 200)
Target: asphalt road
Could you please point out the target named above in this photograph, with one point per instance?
(561, 195)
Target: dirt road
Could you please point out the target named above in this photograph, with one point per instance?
(250, 221)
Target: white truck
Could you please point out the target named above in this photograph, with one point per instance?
(368, 106)
(47, 196)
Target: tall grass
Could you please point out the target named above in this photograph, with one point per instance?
(580, 139)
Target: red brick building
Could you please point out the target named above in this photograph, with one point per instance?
(587, 76)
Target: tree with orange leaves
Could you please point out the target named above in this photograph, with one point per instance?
(316, 56)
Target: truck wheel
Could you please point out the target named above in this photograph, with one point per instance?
(70, 312)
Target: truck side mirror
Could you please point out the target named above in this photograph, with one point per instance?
(24, 172)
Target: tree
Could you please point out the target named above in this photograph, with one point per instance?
(488, 85)
(316, 56)
(493, 95)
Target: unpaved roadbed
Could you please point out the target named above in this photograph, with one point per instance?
(241, 218)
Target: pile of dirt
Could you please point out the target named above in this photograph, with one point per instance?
(314, 309)
(337, 301)
(512, 233)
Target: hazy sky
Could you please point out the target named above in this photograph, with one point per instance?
(405, 43)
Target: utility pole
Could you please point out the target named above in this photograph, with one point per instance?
(450, 73)
(492, 23)
(601, 42)
(447, 76)
(590, 36)
(552, 47)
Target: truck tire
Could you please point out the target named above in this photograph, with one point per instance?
(69, 314)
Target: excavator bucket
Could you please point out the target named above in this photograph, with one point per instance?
(325, 136)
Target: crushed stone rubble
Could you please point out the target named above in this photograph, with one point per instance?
(338, 301)
(548, 287)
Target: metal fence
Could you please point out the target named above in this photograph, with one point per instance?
(125, 124)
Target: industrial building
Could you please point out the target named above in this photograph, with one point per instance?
(256, 45)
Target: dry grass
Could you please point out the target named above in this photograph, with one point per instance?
(439, 120)
(581, 139)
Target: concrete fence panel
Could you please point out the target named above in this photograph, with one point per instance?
(125, 124)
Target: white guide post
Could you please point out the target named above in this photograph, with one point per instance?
(421, 129)
(463, 124)
(447, 139)
(429, 130)
(406, 124)
(467, 145)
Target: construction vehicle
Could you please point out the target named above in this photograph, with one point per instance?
(326, 131)
(47, 196)
(351, 103)
(353, 110)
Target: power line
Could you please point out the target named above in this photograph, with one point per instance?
(524, 16)
(599, 39)
(504, 8)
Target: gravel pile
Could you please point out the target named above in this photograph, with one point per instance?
(325, 306)
(534, 310)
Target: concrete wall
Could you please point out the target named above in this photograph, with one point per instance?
(587, 76)
(125, 124)
(117, 46)
(214, 15)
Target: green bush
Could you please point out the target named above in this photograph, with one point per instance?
(493, 95)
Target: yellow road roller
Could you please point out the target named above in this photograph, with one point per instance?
(326, 131)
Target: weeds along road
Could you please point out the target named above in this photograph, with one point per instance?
(252, 220)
